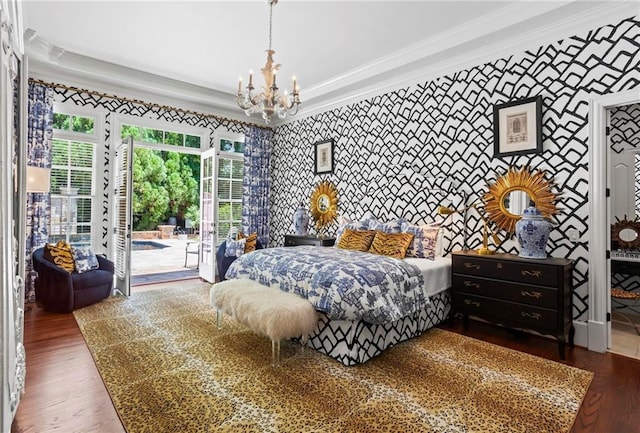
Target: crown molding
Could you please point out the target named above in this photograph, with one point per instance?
(51, 63)
(421, 70)
(468, 32)
(46, 73)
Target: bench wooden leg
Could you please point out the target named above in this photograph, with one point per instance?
(275, 353)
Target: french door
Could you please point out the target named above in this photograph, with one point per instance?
(123, 214)
(207, 253)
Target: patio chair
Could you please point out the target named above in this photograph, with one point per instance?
(190, 250)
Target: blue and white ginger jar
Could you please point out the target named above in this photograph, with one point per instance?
(532, 232)
(301, 220)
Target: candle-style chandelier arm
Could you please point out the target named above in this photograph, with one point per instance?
(247, 100)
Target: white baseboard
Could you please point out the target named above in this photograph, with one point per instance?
(597, 336)
(581, 337)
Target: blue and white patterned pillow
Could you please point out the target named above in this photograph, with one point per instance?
(235, 248)
(424, 240)
(394, 226)
(85, 260)
(363, 224)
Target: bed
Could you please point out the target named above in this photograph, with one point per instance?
(366, 302)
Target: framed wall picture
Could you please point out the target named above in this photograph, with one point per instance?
(517, 127)
(323, 157)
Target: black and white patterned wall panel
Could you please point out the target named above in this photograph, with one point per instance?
(443, 128)
(118, 106)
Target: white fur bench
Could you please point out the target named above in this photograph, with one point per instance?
(271, 312)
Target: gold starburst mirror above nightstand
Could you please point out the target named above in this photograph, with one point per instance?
(324, 203)
(513, 192)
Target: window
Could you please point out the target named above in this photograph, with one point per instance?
(229, 182)
(72, 180)
(160, 136)
(71, 191)
(68, 122)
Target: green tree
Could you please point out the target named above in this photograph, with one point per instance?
(150, 196)
(193, 214)
(181, 185)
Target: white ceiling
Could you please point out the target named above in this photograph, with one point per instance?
(339, 51)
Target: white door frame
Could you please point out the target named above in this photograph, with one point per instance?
(599, 266)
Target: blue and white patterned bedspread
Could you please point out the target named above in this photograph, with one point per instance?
(344, 284)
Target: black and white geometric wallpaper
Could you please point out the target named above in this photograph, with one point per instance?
(443, 128)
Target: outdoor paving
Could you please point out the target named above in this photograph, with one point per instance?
(162, 260)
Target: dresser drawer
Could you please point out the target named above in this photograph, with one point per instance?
(506, 290)
(528, 272)
(291, 242)
(511, 313)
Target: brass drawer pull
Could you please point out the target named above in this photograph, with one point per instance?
(536, 295)
(536, 274)
(470, 302)
(536, 316)
(468, 265)
(471, 284)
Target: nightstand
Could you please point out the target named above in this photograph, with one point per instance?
(296, 240)
(534, 294)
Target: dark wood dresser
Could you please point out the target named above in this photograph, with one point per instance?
(534, 294)
(296, 240)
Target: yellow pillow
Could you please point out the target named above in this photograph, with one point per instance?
(250, 243)
(356, 240)
(391, 244)
(61, 255)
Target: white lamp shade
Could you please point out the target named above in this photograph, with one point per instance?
(38, 179)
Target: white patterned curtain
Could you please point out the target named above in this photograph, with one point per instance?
(39, 136)
(256, 183)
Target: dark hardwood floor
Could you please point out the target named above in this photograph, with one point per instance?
(64, 392)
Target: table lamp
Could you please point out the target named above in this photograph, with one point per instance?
(484, 250)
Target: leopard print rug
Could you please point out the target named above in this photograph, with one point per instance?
(169, 369)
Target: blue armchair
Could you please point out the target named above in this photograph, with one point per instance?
(62, 292)
(223, 262)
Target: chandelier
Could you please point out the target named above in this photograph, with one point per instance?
(269, 101)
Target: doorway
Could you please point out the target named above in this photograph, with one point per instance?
(159, 211)
(166, 212)
(624, 165)
(601, 184)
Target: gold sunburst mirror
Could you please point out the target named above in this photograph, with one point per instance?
(324, 203)
(626, 233)
(512, 193)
